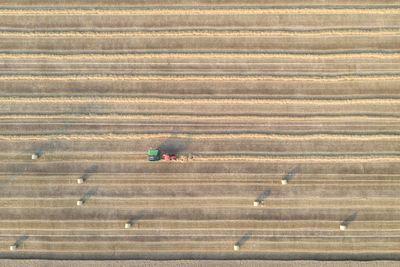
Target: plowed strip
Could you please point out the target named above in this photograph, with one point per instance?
(207, 246)
(193, 34)
(370, 77)
(209, 202)
(239, 55)
(300, 137)
(294, 159)
(202, 118)
(193, 12)
(168, 225)
(220, 101)
(202, 3)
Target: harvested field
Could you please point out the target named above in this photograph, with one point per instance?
(285, 116)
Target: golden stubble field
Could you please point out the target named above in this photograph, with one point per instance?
(250, 93)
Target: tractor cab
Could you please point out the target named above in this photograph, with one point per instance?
(153, 155)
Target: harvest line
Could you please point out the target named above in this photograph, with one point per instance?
(318, 118)
(197, 11)
(199, 55)
(394, 101)
(286, 78)
(206, 33)
(285, 137)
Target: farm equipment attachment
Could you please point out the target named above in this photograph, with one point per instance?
(155, 155)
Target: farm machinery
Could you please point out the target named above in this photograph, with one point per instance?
(156, 155)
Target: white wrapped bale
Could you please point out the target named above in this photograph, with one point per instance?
(258, 203)
(13, 248)
(284, 181)
(128, 225)
(80, 181)
(236, 247)
(35, 156)
(79, 203)
(343, 227)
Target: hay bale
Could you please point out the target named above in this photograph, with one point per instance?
(79, 181)
(13, 247)
(343, 227)
(284, 181)
(258, 203)
(128, 225)
(35, 156)
(79, 203)
(236, 247)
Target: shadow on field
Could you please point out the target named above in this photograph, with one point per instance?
(347, 221)
(134, 219)
(174, 145)
(89, 172)
(44, 147)
(39, 152)
(89, 194)
(291, 174)
(244, 239)
(261, 197)
(20, 241)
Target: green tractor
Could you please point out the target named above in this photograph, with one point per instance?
(154, 154)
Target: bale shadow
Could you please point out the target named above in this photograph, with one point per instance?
(244, 239)
(261, 197)
(89, 172)
(39, 152)
(45, 147)
(174, 145)
(92, 192)
(291, 174)
(20, 241)
(350, 219)
(134, 219)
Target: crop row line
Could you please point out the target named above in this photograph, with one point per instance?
(206, 55)
(200, 11)
(101, 77)
(218, 117)
(200, 33)
(205, 136)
